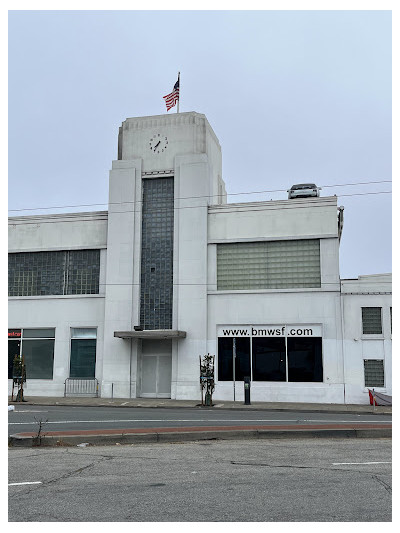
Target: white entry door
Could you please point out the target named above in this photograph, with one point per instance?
(156, 369)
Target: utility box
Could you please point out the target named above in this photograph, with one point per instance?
(246, 381)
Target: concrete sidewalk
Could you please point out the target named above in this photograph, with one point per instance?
(168, 403)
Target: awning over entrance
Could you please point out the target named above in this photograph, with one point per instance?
(151, 334)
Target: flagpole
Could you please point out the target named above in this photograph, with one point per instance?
(179, 85)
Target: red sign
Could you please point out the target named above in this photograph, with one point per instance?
(14, 333)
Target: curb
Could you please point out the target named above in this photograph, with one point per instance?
(192, 436)
(380, 410)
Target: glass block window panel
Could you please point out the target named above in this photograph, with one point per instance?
(157, 253)
(83, 358)
(373, 373)
(269, 359)
(371, 320)
(304, 359)
(36, 273)
(269, 265)
(225, 358)
(39, 358)
(52, 273)
(83, 270)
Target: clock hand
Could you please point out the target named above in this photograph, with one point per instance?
(157, 145)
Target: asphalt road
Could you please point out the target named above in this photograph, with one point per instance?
(323, 480)
(61, 418)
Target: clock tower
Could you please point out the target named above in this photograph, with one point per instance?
(167, 174)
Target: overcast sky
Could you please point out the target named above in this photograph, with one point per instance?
(293, 96)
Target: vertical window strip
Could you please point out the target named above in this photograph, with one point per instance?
(157, 252)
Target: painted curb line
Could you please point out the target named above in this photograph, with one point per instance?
(191, 436)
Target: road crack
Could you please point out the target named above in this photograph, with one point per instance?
(385, 485)
(77, 471)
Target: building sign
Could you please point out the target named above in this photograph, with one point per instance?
(274, 330)
(14, 333)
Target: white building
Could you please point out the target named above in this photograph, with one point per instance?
(134, 295)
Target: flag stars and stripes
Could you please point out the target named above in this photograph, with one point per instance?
(172, 98)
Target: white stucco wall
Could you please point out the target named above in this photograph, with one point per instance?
(61, 313)
(304, 218)
(67, 231)
(366, 291)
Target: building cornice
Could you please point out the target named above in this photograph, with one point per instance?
(59, 217)
(330, 201)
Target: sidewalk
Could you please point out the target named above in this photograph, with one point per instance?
(172, 404)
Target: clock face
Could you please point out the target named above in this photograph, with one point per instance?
(158, 143)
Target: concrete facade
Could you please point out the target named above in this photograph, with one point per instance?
(191, 154)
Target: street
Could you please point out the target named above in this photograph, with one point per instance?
(314, 480)
(63, 418)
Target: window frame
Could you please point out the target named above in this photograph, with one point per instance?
(372, 335)
(366, 387)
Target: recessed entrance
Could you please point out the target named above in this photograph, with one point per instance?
(156, 368)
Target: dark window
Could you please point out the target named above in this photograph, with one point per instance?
(269, 359)
(83, 358)
(52, 273)
(37, 351)
(225, 358)
(39, 358)
(14, 347)
(372, 320)
(373, 373)
(304, 359)
(157, 253)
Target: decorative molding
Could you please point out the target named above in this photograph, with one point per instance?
(365, 293)
(59, 217)
(176, 119)
(157, 173)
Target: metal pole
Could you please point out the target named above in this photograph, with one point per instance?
(22, 378)
(286, 356)
(179, 85)
(234, 367)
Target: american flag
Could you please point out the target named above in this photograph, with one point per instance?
(172, 98)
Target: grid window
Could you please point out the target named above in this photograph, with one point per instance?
(269, 265)
(83, 272)
(373, 373)
(52, 273)
(157, 253)
(371, 320)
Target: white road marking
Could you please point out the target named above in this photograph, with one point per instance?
(26, 483)
(28, 411)
(367, 463)
(209, 421)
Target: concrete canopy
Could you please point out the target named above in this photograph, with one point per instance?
(151, 334)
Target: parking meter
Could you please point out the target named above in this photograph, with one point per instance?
(246, 380)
